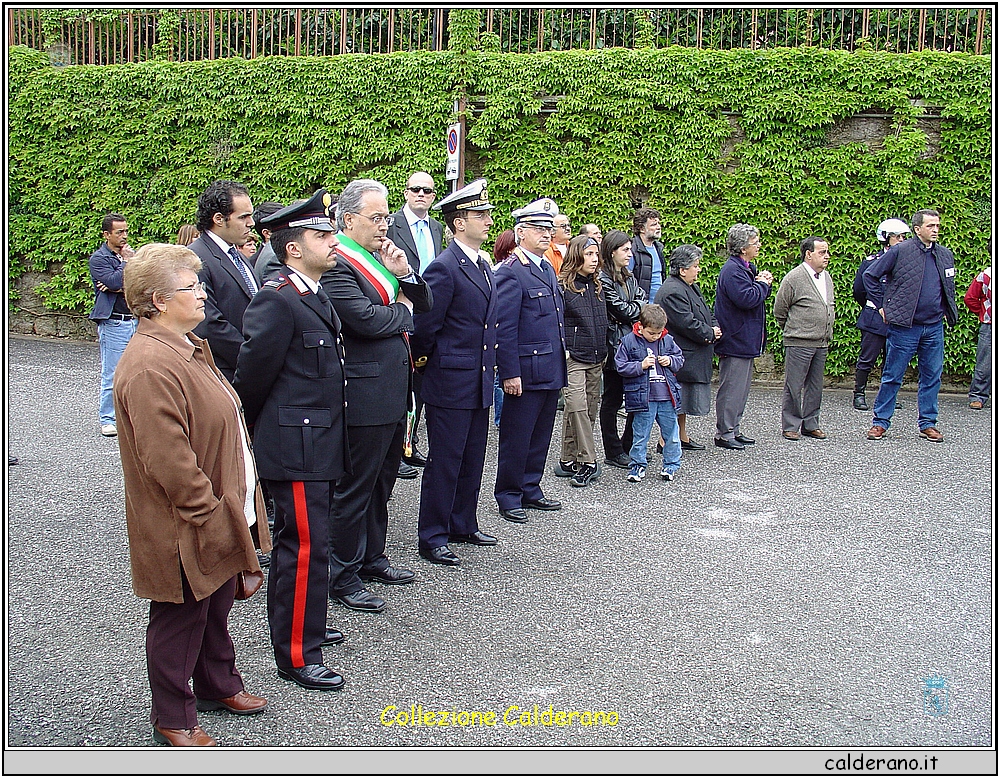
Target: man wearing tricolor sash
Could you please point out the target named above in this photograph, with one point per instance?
(375, 292)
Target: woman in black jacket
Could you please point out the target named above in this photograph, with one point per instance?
(586, 322)
(624, 299)
(694, 329)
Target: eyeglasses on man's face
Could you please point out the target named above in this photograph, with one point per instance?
(378, 219)
(427, 190)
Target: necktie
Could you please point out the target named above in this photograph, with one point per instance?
(486, 274)
(550, 274)
(424, 248)
(817, 274)
(241, 266)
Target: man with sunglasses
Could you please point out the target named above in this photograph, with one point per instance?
(375, 293)
(421, 238)
(531, 361)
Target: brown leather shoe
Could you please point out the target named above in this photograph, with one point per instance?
(241, 703)
(790, 435)
(876, 433)
(183, 737)
(816, 433)
(976, 405)
(933, 434)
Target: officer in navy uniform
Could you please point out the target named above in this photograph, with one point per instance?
(531, 362)
(454, 346)
(290, 376)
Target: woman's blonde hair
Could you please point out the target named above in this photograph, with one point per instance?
(153, 270)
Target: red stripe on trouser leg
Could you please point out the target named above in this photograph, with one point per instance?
(301, 573)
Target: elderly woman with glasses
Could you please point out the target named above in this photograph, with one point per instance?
(191, 496)
(694, 329)
(740, 295)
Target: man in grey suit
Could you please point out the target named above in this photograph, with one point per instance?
(803, 307)
(420, 237)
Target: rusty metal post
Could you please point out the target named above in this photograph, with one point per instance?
(541, 26)
(865, 17)
(298, 31)
(392, 29)
(343, 30)
(90, 41)
(701, 23)
(211, 34)
(255, 25)
(753, 29)
(980, 25)
(593, 28)
(921, 21)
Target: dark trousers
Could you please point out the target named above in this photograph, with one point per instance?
(525, 433)
(803, 388)
(872, 347)
(297, 578)
(360, 516)
(611, 400)
(418, 407)
(449, 492)
(185, 641)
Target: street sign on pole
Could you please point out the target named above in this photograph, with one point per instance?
(454, 145)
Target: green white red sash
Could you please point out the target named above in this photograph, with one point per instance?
(373, 270)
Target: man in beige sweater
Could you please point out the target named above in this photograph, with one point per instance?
(803, 307)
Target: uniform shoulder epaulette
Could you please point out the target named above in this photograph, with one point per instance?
(300, 285)
(276, 283)
(518, 254)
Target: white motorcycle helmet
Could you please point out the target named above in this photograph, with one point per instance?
(891, 227)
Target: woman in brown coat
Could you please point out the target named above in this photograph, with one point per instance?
(191, 499)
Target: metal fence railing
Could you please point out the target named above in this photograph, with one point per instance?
(119, 35)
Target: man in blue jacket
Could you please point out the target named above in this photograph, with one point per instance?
(739, 309)
(115, 322)
(919, 296)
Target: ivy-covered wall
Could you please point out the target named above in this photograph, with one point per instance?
(795, 141)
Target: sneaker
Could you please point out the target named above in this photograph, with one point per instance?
(585, 475)
(667, 474)
(636, 473)
(109, 430)
(566, 469)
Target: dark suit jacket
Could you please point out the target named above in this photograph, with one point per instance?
(377, 366)
(399, 233)
(690, 322)
(227, 300)
(457, 338)
(290, 378)
(531, 333)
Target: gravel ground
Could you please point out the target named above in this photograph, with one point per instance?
(795, 594)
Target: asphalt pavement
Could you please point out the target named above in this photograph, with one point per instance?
(793, 594)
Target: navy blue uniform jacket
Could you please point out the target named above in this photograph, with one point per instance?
(456, 341)
(531, 338)
(290, 377)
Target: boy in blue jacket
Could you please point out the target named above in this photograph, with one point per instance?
(648, 361)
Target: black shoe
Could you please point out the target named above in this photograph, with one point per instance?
(585, 475)
(690, 445)
(12, 460)
(405, 471)
(899, 405)
(744, 440)
(542, 504)
(442, 555)
(565, 469)
(264, 560)
(391, 575)
(621, 461)
(477, 538)
(313, 677)
(362, 600)
(516, 515)
(416, 459)
(332, 637)
(735, 445)
(659, 448)
(860, 404)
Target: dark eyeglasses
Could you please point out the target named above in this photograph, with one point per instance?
(421, 189)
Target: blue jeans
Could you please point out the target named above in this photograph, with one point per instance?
(642, 424)
(113, 336)
(927, 342)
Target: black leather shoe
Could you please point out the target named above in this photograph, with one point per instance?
(690, 445)
(744, 440)
(542, 504)
(477, 538)
(405, 471)
(362, 600)
(416, 459)
(730, 444)
(313, 677)
(860, 404)
(441, 555)
(391, 575)
(332, 637)
(621, 461)
(516, 515)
